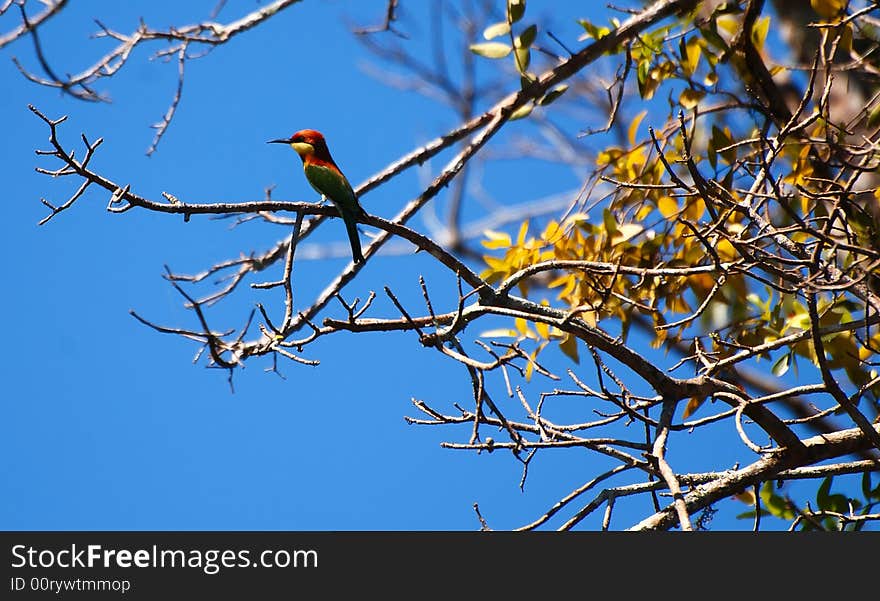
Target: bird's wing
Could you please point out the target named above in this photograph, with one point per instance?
(332, 183)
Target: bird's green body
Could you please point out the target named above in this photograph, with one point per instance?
(333, 185)
(327, 179)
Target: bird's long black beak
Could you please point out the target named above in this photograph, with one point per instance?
(281, 141)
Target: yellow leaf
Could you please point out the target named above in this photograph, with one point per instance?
(577, 218)
(693, 51)
(694, 209)
(846, 38)
(523, 230)
(692, 406)
(563, 279)
(491, 277)
(495, 239)
(634, 127)
(728, 23)
(569, 347)
(759, 32)
(496, 264)
(668, 207)
(609, 221)
(521, 326)
(690, 98)
(726, 250)
(828, 9)
(551, 232)
(543, 329)
(643, 212)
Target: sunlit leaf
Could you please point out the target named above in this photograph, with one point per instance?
(543, 329)
(523, 57)
(690, 53)
(495, 239)
(499, 333)
(759, 32)
(523, 111)
(491, 49)
(592, 31)
(496, 29)
(523, 231)
(634, 127)
(729, 23)
(668, 207)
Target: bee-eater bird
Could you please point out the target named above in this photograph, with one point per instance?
(326, 178)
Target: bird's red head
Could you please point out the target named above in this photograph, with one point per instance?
(308, 136)
(307, 143)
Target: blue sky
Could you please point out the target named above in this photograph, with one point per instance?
(108, 425)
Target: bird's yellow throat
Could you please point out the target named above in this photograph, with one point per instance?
(302, 148)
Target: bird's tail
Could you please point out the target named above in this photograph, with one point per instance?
(353, 238)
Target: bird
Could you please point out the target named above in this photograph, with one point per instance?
(328, 180)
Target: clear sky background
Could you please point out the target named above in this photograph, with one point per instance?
(107, 424)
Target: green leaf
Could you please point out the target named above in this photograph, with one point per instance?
(822, 498)
(775, 504)
(690, 98)
(496, 29)
(491, 49)
(609, 221)
(554, 93)
(720, 139)
(515, 10)
(874, 117)
(866, 487)
(710, 152)
(642, 72)
(526, 79)
(525, 39)
(523, 58)
(523, 111)
(711, 35)
(780, 367)
(593, 31)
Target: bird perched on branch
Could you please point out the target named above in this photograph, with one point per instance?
(328, 180)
